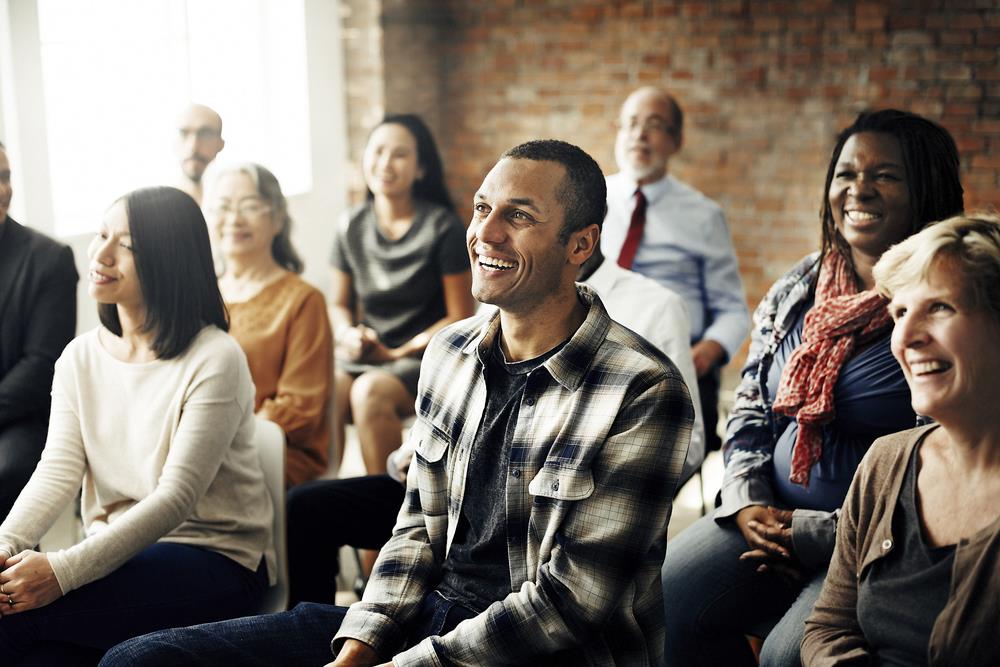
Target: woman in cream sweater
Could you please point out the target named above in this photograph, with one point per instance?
(152, 413)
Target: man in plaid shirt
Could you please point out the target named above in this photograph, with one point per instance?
(549, 440)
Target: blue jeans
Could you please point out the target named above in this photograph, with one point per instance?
(162, 586)
(298, 637)
(712, 599)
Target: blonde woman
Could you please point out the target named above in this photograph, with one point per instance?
(915, 576)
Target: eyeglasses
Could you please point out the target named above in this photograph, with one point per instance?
(245, 209)
(651, 125)
(200, 133)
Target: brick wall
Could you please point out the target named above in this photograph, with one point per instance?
(364, 82)
(765, 86)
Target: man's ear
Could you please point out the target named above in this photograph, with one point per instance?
(582, 243)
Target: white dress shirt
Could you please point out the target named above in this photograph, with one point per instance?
(660, 316)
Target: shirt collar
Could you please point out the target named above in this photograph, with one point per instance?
(603, 277)
(655, 191)
(625, 187)
(569, 366)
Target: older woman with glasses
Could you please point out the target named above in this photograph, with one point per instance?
(278, 319)
(915, 576)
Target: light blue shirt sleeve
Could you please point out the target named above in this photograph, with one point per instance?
(724, 298)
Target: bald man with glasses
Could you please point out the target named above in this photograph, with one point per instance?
(666, 230)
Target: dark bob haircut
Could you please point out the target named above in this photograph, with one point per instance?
(173, 260)
(430, 186)
(930, 158)
(583, 192)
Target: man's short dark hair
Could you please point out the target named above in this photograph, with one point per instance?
(583, 192)
(173, 260)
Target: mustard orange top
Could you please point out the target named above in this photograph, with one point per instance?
(285, 333)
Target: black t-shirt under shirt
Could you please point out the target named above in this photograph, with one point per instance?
(477, 571)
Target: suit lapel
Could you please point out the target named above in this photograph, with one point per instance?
(12, 259)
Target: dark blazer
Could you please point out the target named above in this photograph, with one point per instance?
(37, 318)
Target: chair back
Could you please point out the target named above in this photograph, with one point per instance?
(270, 442)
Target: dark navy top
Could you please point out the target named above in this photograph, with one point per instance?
(871, 399)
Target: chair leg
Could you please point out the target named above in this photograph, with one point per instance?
(701, 491)
(360, 581)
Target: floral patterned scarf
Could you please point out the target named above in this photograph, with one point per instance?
(841, 318)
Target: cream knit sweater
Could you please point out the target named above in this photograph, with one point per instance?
(163, 450)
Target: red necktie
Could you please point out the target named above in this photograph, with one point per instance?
(634, 235)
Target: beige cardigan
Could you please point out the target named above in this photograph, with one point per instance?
(163, 450)
(967, 631)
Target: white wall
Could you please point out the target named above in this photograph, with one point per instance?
(22, 128)
(316, 213)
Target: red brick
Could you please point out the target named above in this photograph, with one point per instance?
(969, 144)
(969, 21)
(956, 37)
(979, 55)
(961, 109)
(907, 22)
(767, 24)
(955, 72)
(810, 23)
(912, 38)
(986, 161)
(870, 16)
(692, 9)
(883, 73)
(991, 126)
(987, 37)
(661, 11)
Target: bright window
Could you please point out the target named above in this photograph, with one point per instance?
(117, 72)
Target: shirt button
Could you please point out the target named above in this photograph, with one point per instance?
(886, 545)
(555, 485)
(530, 400)
(516, 474)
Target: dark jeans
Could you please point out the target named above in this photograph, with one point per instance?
(163, 586)
(21, 446)
(298, 637)
(327, 514)
(712, 599)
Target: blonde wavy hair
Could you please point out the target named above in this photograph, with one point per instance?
(968, 245)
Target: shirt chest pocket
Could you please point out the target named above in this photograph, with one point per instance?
(554, 494)
(431, 447)
(562, 484)
(431, 444)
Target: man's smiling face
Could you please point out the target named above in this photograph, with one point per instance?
(513, 239)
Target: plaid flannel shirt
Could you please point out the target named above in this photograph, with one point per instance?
(601, 436)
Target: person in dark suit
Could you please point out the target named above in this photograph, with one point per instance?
(37, 319)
